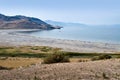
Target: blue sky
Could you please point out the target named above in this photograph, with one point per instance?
(82, 11)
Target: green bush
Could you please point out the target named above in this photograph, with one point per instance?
(56, 58)
(101, 57)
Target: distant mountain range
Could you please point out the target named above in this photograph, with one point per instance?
(63, 23)
(57, 23)
(23, 22)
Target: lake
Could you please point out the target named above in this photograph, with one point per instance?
(110, 34)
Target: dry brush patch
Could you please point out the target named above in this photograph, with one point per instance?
(13, 57)
(57, 57)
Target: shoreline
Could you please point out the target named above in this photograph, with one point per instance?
(15, 38)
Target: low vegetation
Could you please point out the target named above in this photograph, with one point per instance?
(14, 57)
(27, 51)
(56, 58)
(102, 57)
(4, 68)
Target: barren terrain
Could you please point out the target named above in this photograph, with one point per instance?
(96, 70)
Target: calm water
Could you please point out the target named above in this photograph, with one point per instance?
(84, 33)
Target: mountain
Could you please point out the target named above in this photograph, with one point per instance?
(63, 23)
(23, 22)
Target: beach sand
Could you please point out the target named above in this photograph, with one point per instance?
(14, 38)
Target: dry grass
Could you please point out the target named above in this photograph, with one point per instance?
(16, 62)
(28, 49)
(14, 57)
(79, 59)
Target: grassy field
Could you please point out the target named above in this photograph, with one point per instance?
(15, 57)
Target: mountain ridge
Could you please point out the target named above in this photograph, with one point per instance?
(58, 23)
(23, 22)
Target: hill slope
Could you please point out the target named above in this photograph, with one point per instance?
(23, 22)
(96, 70)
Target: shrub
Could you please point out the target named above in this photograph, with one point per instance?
(105, 76)
(101, 57)
(95, 58)
(46, 49)
(3, 58)
(34, 48)
(56, 58)
(4, 68)
(82, 60)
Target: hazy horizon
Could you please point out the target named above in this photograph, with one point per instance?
(96, 12)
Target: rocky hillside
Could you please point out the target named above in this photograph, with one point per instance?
(23, 22)
(96, 70)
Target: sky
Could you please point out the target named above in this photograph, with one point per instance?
(78, 11)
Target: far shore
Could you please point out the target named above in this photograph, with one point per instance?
(13, 38)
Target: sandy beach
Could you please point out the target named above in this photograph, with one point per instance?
(14, 38)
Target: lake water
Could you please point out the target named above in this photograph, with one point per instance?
(83, 33)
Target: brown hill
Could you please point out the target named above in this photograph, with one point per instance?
(23, 22)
